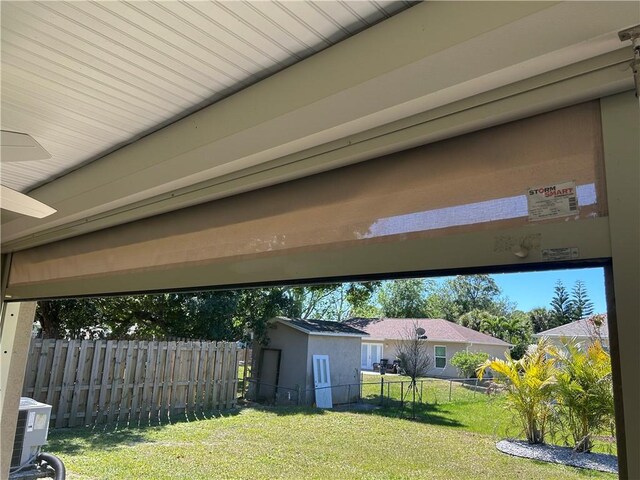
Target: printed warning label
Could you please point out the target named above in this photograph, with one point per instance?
(552, 201)
(30, 420)
(565, 253)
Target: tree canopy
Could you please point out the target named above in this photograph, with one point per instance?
(404, 299)
(474, 301)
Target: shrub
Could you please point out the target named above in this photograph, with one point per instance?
(468, 362)
(529, 386)
(585, 393)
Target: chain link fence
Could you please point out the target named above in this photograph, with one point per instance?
(381, 391)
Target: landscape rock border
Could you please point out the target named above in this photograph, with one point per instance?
(557, 454)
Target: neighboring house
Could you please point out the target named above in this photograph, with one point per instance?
(443, 339)
(583, 331)
(284, 366)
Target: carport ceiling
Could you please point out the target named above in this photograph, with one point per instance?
(199, 95)
(84, 78)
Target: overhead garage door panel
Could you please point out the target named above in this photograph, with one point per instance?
(471, 183)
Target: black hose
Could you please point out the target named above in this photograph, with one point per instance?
(55, 463)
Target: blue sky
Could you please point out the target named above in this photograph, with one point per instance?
(535, 289)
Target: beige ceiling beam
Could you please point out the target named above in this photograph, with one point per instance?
(591, 238)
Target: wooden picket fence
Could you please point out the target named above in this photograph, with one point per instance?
(90, 382)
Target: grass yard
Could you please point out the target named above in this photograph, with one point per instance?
(301, 443)
(474, 411)
(433, 390)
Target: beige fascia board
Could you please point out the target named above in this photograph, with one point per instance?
(590, 237)
(305, 106)
(583, 81)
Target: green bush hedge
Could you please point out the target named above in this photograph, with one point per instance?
(467, 362)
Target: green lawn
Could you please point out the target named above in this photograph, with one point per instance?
(477, 411)
(433, 390)
(447, 439)
(450, 441)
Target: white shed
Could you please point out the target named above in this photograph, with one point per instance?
(283, 368)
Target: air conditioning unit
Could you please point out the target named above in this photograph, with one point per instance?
(28, 461)
(31, 432)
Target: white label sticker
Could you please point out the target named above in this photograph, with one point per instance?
(552, 201)
(41, 421)
(30, 421)
(565, 253)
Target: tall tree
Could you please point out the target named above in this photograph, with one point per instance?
(519, 333)
(561, 305)
(499, 327)
(360, 298)
(581, 305)
(70, 318)
(211, 315)
(441, 303)
(477, 320)
(474, 292)
(313, 301)
(142, 316)
(514, 328)
(334, 301)
(541, 319)
(403, 298)
(258, 305)
(218, 315)
(48, 314)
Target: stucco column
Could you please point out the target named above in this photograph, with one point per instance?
(620, 127)
(15, 335)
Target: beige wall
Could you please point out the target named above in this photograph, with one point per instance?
(15, 336)
(449, 371)
(344, 365)
(296, 362)
(293, 345)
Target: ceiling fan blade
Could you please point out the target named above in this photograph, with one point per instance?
(23, 204)
(20, 147)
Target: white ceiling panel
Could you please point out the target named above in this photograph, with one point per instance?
(84, 78)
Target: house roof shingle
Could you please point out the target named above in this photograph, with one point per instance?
(321, 327)
(584, 327)
(436, 329)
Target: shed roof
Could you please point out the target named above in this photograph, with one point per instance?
(322, 327)
(436, 329)
(585, 327)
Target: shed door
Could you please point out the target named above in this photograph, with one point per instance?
(322, 381)
(269, 374)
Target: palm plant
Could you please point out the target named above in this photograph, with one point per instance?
(585, 392)
(529, 386)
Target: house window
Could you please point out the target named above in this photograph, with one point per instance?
(441, 356)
